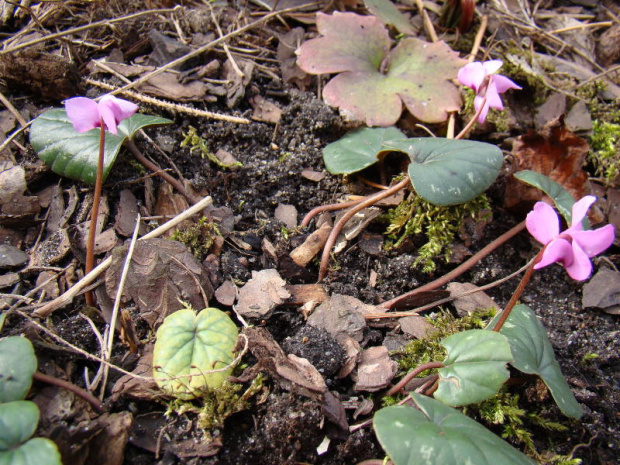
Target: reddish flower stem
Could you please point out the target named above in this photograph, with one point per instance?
(459, 270)
(90, 244)
(471, 123)
(367, 202)
(518, 291)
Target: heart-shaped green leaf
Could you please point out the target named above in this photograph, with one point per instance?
(39, 451)
(375, 82)
(450, 171)
(533, 354)
(75, 155)
(560, 196)
(18, 422)
(437, 434)
(358, 149)
(474, 368)
(189, 347)
(17, 365)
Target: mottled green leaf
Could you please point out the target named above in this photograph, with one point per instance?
(37, 451)
(17, 365)
(358, 149)
(189, 347)
(449, 171)
(75, 155)
(534, 354)
(474, 368)
(439, 435)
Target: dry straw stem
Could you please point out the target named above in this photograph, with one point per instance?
(167, 105)
(68, 296)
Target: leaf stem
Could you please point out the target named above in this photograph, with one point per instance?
(367, 202)
(92, 230)
(412, 374)
(178, 185)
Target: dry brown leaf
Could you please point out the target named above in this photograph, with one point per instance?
(341, 314)
(555, 152)
(261, 294)
(469, 303)
(375, 370)
(162, 272)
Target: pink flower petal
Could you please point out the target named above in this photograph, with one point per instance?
(492, 96)
(580, 208)
(543, 223)
(485, 110)
(581, 266)
(107, 114)
(472, 75)
(492, 66)
(595, 241)
(83, 113)
(560, 251)
(503, 83)
(114, 110)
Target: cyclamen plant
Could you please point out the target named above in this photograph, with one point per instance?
(86, 114)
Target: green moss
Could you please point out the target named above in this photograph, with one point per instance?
(199, 144)
(605, 150)
(213, 406)
(438, 223)
(429, 349)
(495, 117)
(198, 237)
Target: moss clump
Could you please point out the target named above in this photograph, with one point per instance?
(605, 150)
(439, 223)
(199, 144)
(198, 237)
(213, 406)
(445, 324)
(496, 117)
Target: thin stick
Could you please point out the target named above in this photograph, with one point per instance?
(581, 26)
(428, 24)
(206, 47)
(368, 201)
(104, 22)
(109, 336)
(328, 208)
(478, 39)
(459, 270)
(20, 119)
(69, 295)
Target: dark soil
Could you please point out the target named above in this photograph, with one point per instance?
(282, 427)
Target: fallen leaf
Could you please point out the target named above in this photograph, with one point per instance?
(375, 370)
(285, 54)
(162, 272)
(287, 214)
(261, 294)
(313, 244)
(603, 290)
(226, 293)
(14, 205)
(470, 303)
(127, 214)
(415, 326)
(264, 110)
(555, 152)
(312, 175)
(341, 314)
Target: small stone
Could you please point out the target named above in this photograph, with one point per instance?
(11, 257)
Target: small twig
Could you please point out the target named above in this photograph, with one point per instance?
(70, 294)
(78, 391)
(20, 119)
(581, 26)
(428, 24)
(459, 270)
(109, 335)
(234, 64)
(478, 39)
(367, 202)
(104, 22)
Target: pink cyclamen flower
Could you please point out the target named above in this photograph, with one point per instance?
(86, 114)
(482, 79)
(573, 247)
